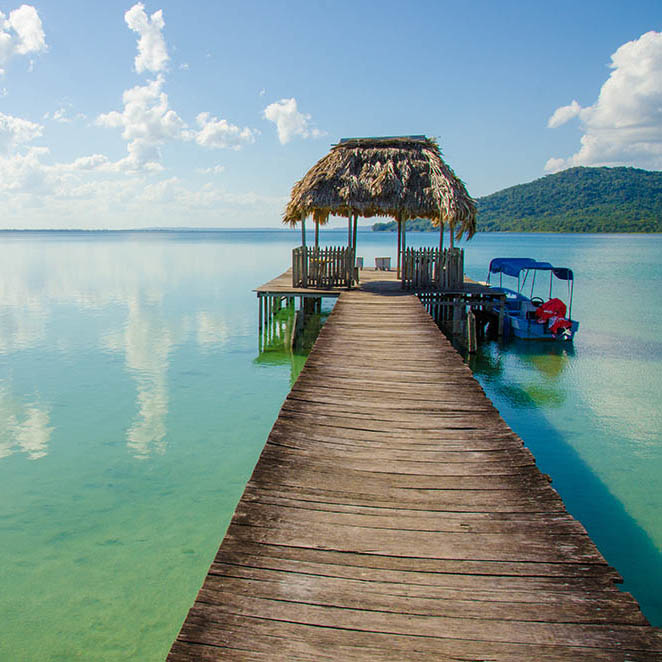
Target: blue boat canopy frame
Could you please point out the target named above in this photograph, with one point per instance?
(514, 266)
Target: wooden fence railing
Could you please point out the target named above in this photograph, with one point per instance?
(331, 266)
(423, 269)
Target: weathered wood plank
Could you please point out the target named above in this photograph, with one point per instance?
(404, 520)
(459, 573)
(530, 592)
(616, 637)
(295, 641)
(342, 593)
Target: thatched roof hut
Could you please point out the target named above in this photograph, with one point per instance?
(402, 177)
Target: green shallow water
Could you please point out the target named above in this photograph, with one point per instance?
(133, 406)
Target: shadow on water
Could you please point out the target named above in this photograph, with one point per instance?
(281, 357)
(545, 361)
(626, 546)
(276, 347)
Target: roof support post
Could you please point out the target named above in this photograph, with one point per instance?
(349, 229)
(397, 220)
(317, 234)
(452, 235)
(441, 250)
(356, 221)
(303, 231)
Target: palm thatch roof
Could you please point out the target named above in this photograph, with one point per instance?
(402, 177)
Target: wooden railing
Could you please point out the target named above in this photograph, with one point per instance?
(423, 269)
(323, 268)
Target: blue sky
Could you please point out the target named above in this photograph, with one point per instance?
(115, 114)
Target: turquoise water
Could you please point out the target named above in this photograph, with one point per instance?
(133, 405)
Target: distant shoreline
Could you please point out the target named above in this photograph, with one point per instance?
(365, 228)
(283, 230)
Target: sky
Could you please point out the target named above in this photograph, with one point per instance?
(203, 114)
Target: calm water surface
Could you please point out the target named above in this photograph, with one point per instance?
(133, 406)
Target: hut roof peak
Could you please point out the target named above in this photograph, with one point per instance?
(378, 141)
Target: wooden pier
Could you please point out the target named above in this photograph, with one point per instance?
(448, 307)
(393, 515)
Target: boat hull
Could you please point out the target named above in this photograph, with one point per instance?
(531, 329)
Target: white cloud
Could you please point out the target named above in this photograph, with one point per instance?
(21, 33)
(64, 116)
(59, 115)
(554, 165)
(164, 191)
(26, 23)
(15, 131)
(152, 51)
(93, 190)
(289, 121)
(624, 125)
(146, 122)
(213, 170)
(24, 173)
(92, 162)
(221, 134)
(564, 114)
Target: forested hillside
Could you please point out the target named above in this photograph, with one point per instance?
(574, 200)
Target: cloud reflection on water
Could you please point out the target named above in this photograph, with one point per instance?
(146, 342)
(23, 427)
(61, 296)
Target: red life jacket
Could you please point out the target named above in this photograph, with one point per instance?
(559, 324)
(551, 308)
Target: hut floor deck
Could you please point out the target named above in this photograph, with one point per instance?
(393, 515)
(370, 279)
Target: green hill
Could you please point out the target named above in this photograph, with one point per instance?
(574, 200)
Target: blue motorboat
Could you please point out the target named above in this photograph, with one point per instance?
(533, 317)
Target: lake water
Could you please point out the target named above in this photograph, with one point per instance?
(133, 406)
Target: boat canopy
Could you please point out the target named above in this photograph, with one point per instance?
(513, 266)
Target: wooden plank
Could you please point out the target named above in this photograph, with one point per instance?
(394, 515)
(395, 519)
(534, 590)
(370, 484)
(610, 637)
(447, 572)
(606, 607)
(296, 641)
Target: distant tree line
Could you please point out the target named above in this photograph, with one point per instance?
(416, 224)
(574, 200)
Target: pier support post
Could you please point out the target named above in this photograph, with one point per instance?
(259, 313)
(502, 313)
(471, 332)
